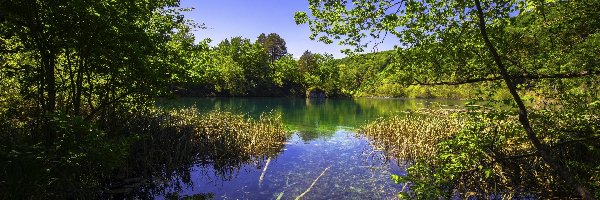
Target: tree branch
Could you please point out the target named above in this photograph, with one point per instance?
(561, 170)
(103, 105)
(525, 76)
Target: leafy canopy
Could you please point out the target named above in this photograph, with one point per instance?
(440, 40)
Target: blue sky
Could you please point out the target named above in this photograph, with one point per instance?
(249, 18)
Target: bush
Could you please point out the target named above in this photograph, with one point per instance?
(72, 167)
(152, 147)
(489, 154)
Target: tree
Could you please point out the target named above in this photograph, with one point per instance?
(457, 42)
(327, 74)
(251, 58)
(91, 56)
(262, 38)
(363, 71)
(274, 45)
(288, 76)
(81, 73)
(307, 62)
(320, 71)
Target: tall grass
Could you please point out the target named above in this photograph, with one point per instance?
(140, 155)
(486, 154)
(412, 135)
(184, 138)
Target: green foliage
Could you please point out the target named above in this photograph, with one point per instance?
(324, 74)
(88, 58)
(77, 84)
(78, 79)
(487, 153)
(442, 43)
(459, 42)
(274, 45)
(288, 76)
(72, 167)
(238, 67)
(287, 71)
(378, 75)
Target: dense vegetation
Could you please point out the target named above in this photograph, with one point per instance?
(548, 47)
(480, 153)
(238, 67)
(79, 78)
(78, 81)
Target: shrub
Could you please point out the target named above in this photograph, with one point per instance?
(486, 154)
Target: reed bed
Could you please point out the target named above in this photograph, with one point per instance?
(176, 140)
(485, 153)
(412, 135)
(219, 130)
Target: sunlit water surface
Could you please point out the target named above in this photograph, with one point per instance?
(323, 144)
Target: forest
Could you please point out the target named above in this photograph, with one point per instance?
(79, 81)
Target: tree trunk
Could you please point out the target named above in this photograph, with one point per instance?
(48, 64)
(71, 93)
(79, 86)
(561, 170)
(50, 82)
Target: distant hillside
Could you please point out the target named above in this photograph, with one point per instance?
(376, 75)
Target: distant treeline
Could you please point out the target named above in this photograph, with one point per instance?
(240, 67)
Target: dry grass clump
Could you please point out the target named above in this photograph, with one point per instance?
(235, 132)
(225, 141)
(175, 140)
(413, 135)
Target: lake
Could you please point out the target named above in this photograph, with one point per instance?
(323, 158)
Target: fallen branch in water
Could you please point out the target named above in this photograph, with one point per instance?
(313, 184)
(279, 196)
(262, 175)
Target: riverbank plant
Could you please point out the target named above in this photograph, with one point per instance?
(151, 150)
(485, 154)
(413, 134)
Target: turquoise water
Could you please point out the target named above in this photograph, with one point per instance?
(323, 146)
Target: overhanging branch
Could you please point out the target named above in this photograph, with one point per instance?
(526, 76)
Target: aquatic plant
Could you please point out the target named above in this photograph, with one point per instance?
(182, 138)
(412, 135)
(485, 154)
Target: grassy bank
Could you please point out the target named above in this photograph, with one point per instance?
(138, 160)
(486, 153)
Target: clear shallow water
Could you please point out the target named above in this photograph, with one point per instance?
(323, 141)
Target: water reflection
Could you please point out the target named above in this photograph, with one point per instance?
(314, 118)
(354, 172)
(323, 158)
